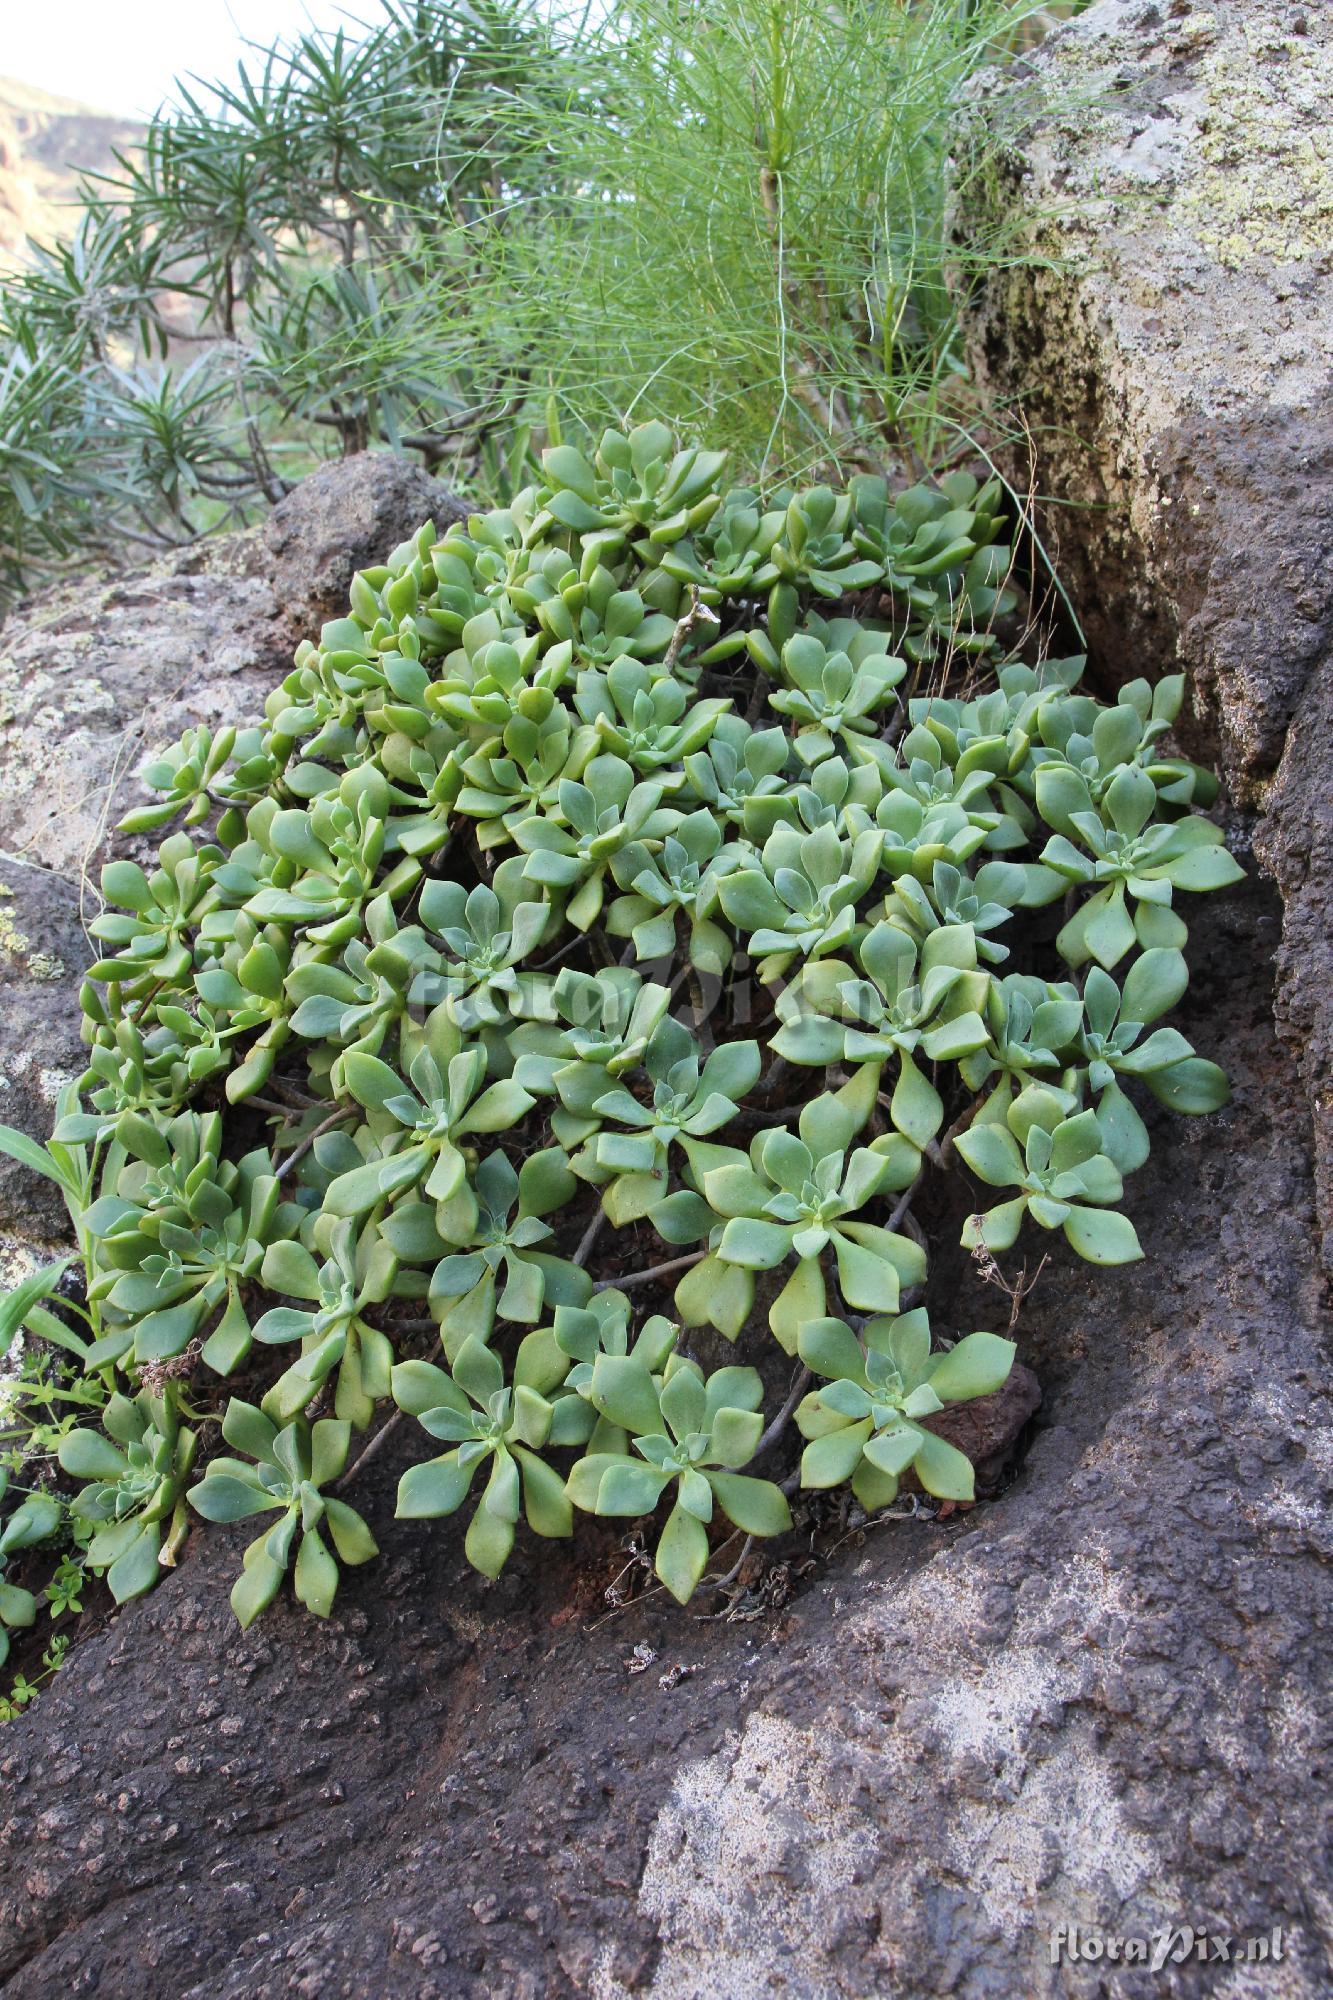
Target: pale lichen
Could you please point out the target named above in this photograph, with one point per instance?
(1261, 179)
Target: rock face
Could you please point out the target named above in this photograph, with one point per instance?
(1165, 185)
(46, 144)
(93, 674)
(1096, 1701)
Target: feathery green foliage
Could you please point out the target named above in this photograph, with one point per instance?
(483, 224)
(747, 234)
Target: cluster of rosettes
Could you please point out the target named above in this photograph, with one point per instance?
(477, 919)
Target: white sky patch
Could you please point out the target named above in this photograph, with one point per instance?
(125, 58)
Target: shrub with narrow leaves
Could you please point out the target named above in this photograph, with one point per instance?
(647, 873)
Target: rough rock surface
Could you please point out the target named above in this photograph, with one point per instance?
(94, 675)
(1165, 185)
(1098, 1700)
(42, 953)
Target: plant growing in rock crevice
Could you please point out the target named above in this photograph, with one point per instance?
(393, 930)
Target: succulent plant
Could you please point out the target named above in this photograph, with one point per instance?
(605, 1021)
(332, 1329)
(1065, 1177)
(326, 863)
(180, 1237)
(600, 622)
(603, 816)
(246, 989)
(194, 775)
(864, 1423)
(399, 937)
(150, 917)
(501, 1232)
(906, 1003)
(796, 1194)
(733, 553)
(580, 1335)
(645, 718)
(630, 1153)
(935, 548)
(815, 550)
(285, 1472)
(676, 890)
(518, 774)
(137, 1468)
(1112, 1044)
(487, 1424)
(690, 1437)
(1129, 862)
(834, 699)
(1031, 1027)
(487, 934)
(156, 1072)
(952, 898)
(737, 765)
(426, 1115)
(637, 484)
(798, 896)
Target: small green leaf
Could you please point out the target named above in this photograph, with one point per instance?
(829, 1460)
(289, 1268)
(758, 1245)
(755, 1505)
(316, 1574)
(624, 1391)
(1192, 1086)
(977, 1366)
(630, 1487)
(87, 1454)
(1102, 1236)
(138, 1569)
(735, 1437)
(682, 1554)
(831, 1349)
(439, 1486)
(255, 1588)
(223, 1497)
(944, 1470)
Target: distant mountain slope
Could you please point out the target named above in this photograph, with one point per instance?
(45, 143)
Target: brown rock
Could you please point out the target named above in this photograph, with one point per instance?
(1165, 190)
(42, 954)
(344, 516)
(989, 1429)
(96, 675)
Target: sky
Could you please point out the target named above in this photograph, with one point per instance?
(123, 55)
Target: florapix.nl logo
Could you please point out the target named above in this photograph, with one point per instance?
(1180, 1943)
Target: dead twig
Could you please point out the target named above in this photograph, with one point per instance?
(696, 613)
(372, 1450)
(281, 1171)
(589, 1237)
(783, 1417)
(654, 1271)
(991, 1274)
